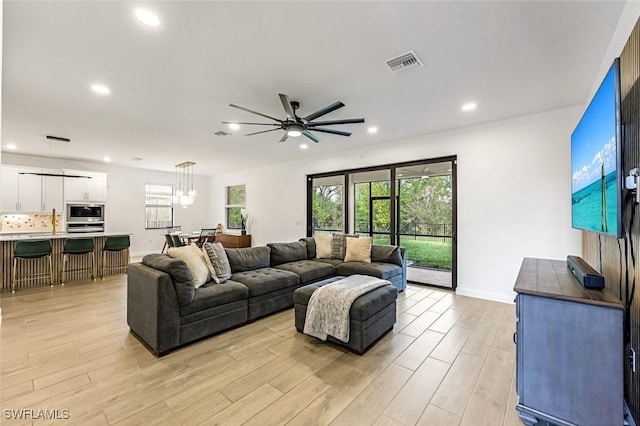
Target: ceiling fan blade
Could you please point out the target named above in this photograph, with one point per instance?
(323, 111)
(284, 137)
(333, 132)
(255, 124)
(334, 122)
(256, 113)
(264, 131)
(310, 136)
(286, 103)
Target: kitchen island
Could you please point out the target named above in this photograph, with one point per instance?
(8, 242)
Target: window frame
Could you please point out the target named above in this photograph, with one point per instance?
(228, 207)
(158, 206)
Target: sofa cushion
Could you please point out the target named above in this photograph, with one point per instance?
(217, 262)
(309, 270)
(247, 259)
(311, 247)
(374, 269)
(179, 273)
(323, 245)
(194, 259)
(212, 295)
(266, 280)
(334, 262)
(358, 250)
(386, 254)
(287, 252)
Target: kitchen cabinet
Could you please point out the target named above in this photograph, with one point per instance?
(93, 187)
(24, 190)
(52, 194)
(569, 348)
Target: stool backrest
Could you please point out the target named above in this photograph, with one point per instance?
(117, 242)
(78, 245)
(207, 235)
(33, 248)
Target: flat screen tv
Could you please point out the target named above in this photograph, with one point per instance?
(596, 165)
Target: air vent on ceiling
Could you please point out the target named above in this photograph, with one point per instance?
(405, 61)
(222, 133)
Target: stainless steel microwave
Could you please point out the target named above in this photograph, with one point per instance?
(85, 213)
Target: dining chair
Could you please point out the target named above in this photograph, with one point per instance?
(207, 235)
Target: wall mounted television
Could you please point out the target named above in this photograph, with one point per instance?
(596, 161)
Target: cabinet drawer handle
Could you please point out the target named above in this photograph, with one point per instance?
(515, 338)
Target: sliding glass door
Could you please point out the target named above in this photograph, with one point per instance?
(408, 204)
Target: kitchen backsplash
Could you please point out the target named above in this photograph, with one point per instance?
(36, 222)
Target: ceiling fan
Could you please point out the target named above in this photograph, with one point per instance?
(295, 126)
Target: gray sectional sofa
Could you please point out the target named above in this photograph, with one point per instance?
(166, 311)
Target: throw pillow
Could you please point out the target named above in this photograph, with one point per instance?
(358, 250)
(339, 245)
(323, 245)
(218, 263)
(192, 257)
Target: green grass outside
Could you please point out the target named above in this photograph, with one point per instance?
(431, 253)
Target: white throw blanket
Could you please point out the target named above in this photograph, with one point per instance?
(329, 306)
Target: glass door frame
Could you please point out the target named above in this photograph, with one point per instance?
(395, 205)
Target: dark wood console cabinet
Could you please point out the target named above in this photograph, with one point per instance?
(569, 349)
(234, 241)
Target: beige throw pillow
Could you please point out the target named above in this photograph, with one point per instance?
(358, 250)
(192, 257)
(323, 245)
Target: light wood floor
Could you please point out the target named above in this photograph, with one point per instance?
(448, 361)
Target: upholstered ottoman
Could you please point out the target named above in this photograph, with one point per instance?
(371, 315)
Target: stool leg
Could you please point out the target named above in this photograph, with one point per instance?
(93, 266)
(104, 263)
(50, 271)
(63, 273)
(128, 260)
(13, 275)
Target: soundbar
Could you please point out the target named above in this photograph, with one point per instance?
(588, 277)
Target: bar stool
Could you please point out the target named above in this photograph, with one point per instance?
(77, 246)
(115, 244)
(26, 250)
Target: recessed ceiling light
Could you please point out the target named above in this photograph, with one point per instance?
(100, 89)
(304, 146)
(469, 106)
(234, 126)
(372, 130)
(12, 146)
(147, 17)
(107, 159)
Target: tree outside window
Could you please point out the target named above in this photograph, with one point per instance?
(235, 205)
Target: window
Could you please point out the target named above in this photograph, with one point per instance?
(158, 206)
(236, 201)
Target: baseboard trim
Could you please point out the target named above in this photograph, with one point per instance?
(479, 294)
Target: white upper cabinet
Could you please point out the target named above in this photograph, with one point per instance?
(52, 193)
(30, 191)
(90, 188)
(9, 199)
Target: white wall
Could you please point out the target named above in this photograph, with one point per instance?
(125, 199)
(514, 196)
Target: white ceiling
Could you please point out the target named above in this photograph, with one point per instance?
(171, 85)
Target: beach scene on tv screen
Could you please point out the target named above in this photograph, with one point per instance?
(593, 164)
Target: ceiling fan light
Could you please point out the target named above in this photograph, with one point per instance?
(294, 133)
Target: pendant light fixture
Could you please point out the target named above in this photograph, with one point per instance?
(185, 194)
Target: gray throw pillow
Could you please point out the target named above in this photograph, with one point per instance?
(218, 262)
(339, 245)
